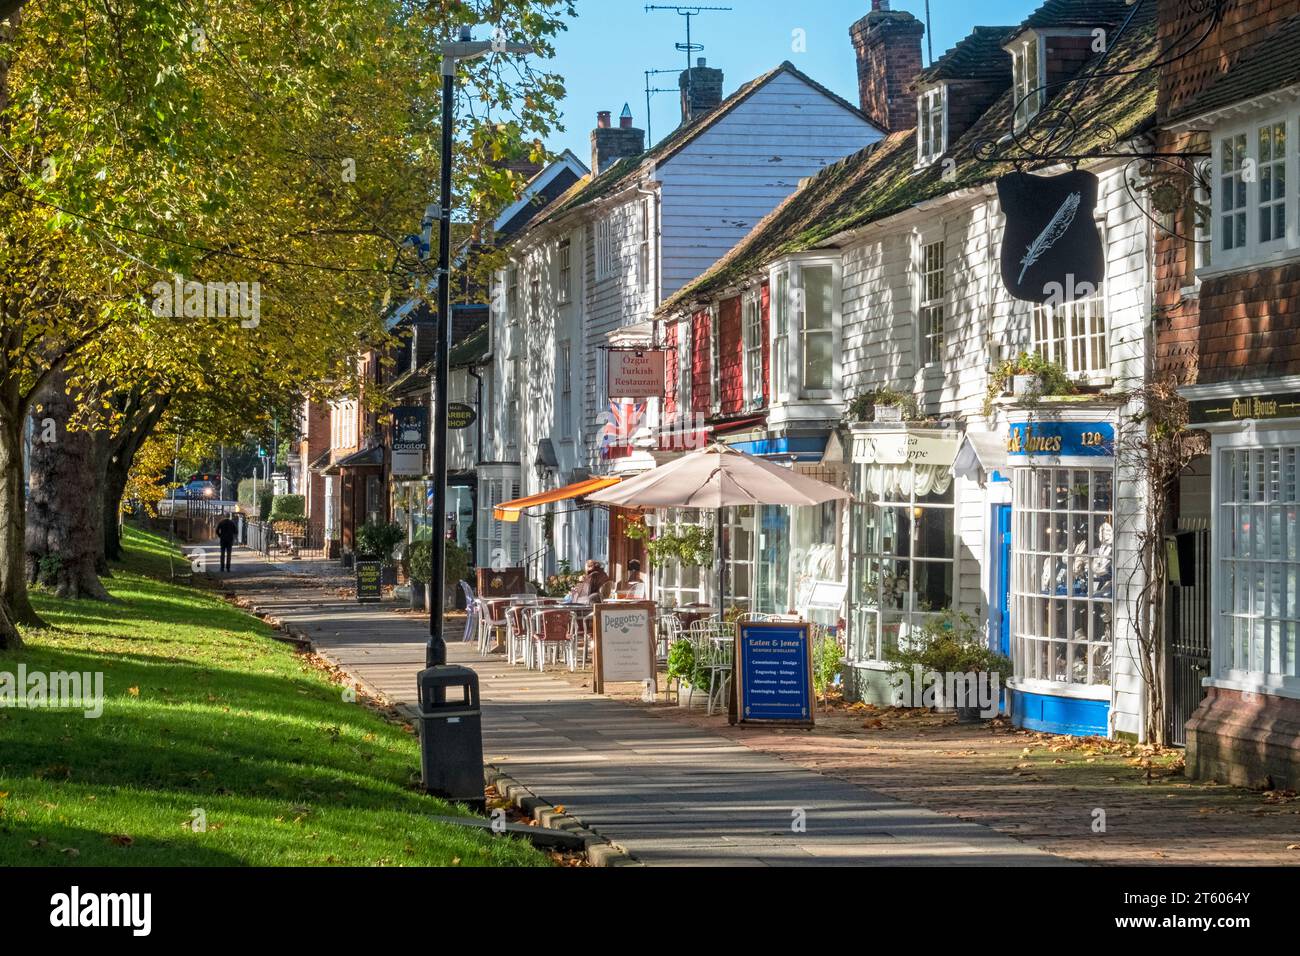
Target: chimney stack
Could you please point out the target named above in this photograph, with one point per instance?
(888, 46)
(701, 88)
(608, 145)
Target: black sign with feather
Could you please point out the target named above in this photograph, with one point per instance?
(1051, 252)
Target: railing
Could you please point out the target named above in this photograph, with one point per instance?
(533, 564)
(289, 539)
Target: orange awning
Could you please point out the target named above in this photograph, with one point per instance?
(511, 510)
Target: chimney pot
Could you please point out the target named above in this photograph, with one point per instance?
(609, 145)
(625, 118)
(602, 119)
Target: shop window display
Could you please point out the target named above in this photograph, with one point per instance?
(1062, 578)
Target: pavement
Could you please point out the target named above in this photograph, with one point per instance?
(666, 792)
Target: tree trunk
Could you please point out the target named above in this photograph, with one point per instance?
(64, 533)
(15, 607)
(117, 455)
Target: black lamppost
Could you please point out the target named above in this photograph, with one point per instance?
(452, 53)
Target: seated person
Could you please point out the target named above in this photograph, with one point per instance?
(593, 580)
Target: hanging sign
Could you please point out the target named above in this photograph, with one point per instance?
(410, 439)
(625, 644)
(773, 673)
(1061, 440)
(1051, 252)
(369, 575)
(636, 373)
(460, 415)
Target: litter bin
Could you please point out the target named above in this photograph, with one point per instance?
(451, 735)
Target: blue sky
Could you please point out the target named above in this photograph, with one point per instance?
(611, 43)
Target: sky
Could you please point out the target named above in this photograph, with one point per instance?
(611, 43)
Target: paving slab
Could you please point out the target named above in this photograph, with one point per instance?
(668, 793)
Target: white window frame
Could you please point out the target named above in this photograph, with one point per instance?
(1252, 251)
(931, 302)
(751, 330)
(931, 142)
(512, 295)
(605, 248)
(644, 247)
(1225, 673)
(781, 306)
(1022, 85)
(799, 332)
(685, 365)
(715, 359)
(564, 390)
(564, 271)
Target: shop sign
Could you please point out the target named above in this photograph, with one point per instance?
(1244, 408)
(410, 439)
(624, 635)
(1051, 251)
(636, 373)
(897, 448)
(460, 415)
(1062, 439)
(773, 676)
(369, 577)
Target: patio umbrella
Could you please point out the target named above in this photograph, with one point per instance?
(714, 478)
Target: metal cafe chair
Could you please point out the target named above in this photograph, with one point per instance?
(554, 632)
(492, 623)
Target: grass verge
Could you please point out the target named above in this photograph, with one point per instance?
(217, 746)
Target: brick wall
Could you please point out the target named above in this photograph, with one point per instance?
(1242, 325)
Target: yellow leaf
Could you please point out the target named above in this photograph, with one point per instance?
(133, 691)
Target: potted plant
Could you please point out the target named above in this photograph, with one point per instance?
(561, 582)
(946, 647)
(375, 541)
(883, 404)
(419, 562)
(1028, 376)
(691, 674)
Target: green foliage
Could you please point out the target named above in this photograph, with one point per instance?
(1052, 379)
(561, 582)
(289, 508)
(949, 643)
(48, 568)
(863, 407)
(455, 566)
(681, 661)
(419, 561)
(690, 545)
(375, 541)
(827, 660)
(265, 498)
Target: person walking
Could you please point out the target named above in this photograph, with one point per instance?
(227, 532)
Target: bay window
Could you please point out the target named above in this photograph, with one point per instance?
(1254, 166)
(1258, 573)
(1063, 605)
(817, 328)
(904, 553)
(781, 336)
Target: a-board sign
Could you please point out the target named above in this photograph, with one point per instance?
(773, 673)
(625, 644)
(368, 581)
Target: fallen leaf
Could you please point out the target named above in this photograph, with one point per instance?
(121, 839)
(133, 691)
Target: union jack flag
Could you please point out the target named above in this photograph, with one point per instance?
(621, 422)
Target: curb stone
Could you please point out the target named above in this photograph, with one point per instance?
(600, 851)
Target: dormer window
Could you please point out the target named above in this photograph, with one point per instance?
(931, 124)
(1027, 78)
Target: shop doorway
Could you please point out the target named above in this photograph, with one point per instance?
(1187, 629)
(1001, 583)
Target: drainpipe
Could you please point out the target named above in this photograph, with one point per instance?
(478, 419)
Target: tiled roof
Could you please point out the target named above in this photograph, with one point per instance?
(1270, 65)
(622, 172)
(880, 181)
(1068, 14)
(978, 57)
